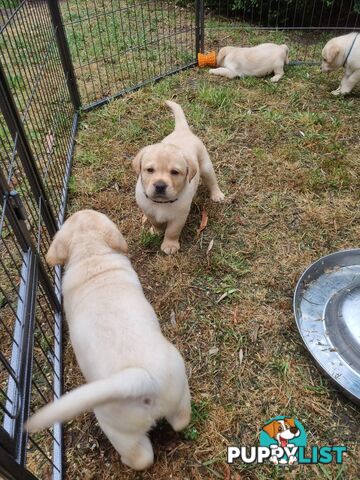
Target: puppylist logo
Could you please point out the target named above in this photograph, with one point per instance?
(282, 442)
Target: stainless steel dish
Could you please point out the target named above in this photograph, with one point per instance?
(327, 312)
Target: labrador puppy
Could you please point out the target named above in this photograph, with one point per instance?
(344, 52)
(168, 177)
(252, 61)
(135, 376)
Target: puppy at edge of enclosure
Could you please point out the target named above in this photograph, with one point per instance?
(135, 376)
(256, 61)
(343, 51)
(168, 177)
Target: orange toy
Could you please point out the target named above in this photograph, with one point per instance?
(207, 60)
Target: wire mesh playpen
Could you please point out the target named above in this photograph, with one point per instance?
(59, 60)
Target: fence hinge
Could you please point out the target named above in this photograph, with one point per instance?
(17, 205)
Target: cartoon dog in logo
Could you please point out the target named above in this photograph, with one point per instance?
(282, 431)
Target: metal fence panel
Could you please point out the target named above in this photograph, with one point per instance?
(303, 25)
(38, 124)
(120, 45)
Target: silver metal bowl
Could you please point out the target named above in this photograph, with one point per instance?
(327, 312)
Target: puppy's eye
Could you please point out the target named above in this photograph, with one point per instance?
(174, 172)
(150, 170)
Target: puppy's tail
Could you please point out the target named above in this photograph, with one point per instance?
(180, 119)
(128, 383)
(286, 48)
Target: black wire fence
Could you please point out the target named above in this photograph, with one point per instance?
(38, 121)
(304, 25)
(120, 45)
(57, 60)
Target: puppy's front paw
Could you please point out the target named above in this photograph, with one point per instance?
(217, 196)
(275, 78)
(292, 460)
(337, 92)
(170, 246)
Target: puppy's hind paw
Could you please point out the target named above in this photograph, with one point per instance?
(141, 456)
(170, 247)
(217, 196)
(181, 420)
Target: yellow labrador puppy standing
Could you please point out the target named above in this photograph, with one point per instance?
(344, 52)
(168, 177)
(135, 375)
(252, 61)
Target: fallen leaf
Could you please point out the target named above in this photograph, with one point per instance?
(235, 315)
(50, 142)
(224, 295)
(213, 351)
(241, 355)
(204, 221)
(227, 472)
(172, 318)
(211, 244)
(254, 333)
(13, 183)
(143, 220)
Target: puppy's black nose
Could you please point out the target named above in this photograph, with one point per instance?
(294, 430)
(160, 187)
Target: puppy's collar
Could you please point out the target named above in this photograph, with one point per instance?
(350, 49)
(155, 201)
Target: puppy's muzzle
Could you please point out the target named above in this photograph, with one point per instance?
(160, 188)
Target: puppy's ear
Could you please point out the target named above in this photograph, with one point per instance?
(192, 168)
(136, 163)
(332, 53)
(115, 239)
(290, 421)
(59, 249)
(270, 429)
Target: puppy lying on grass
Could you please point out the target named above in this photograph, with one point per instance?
(344, 52)
(135, 375)
(256, 61)
(168, 177)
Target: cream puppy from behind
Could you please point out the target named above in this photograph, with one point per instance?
(135, 375)
(344, 52)
(252, 61)
(168, 177)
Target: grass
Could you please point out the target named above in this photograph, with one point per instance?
(286, 156)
